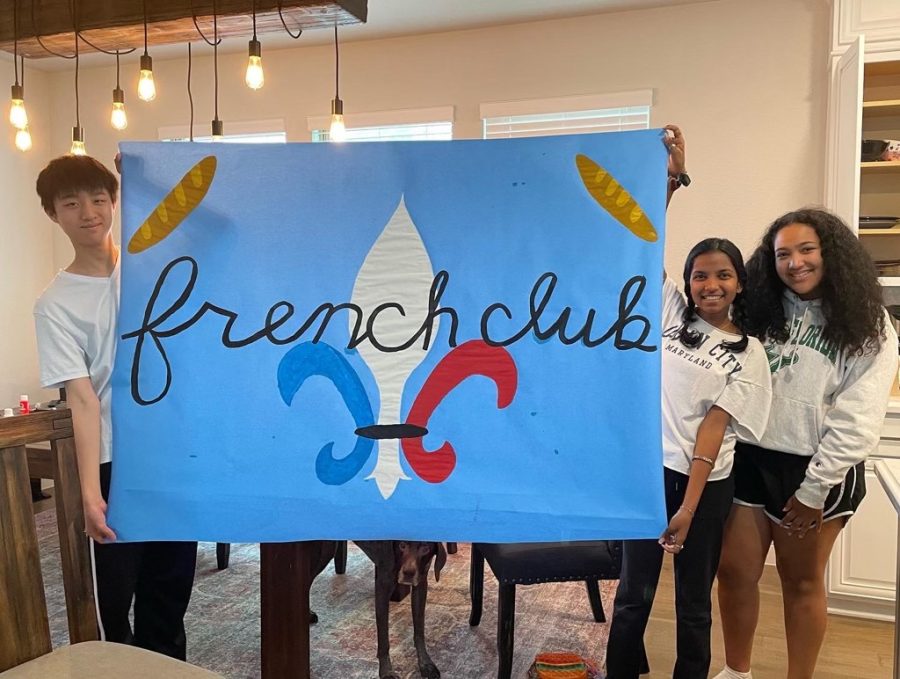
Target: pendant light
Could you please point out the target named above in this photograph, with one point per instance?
(146, 86)
(18, 117)
(337, 131)
(254, 77)
(218, 127)
(23, 135)
(117, 118)
(77, 148)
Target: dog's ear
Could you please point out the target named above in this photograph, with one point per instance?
(439, 560)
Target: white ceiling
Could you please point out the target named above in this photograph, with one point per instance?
(392, 18)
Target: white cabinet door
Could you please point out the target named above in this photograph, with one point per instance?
(862, 568)
(845, 134)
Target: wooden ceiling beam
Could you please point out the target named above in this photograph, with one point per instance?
(119, 24)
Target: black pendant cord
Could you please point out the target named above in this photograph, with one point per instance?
(337, 65)
(77, 63)
(104, 51)
(37, 36)
(144, 5)
(215, 64)
(16, 43)
(199, 30)
(284, 23)
(190, 96)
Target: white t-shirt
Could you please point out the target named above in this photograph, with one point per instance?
(75, 319)
(695, 379)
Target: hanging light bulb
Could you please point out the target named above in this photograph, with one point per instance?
(117, 118)
(77, 142)
(255, 78)
(146, 86)
(218, 127)
(23, 139)
(337, 131)
(17, 114)
(77, 148)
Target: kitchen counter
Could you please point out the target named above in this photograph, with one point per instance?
(888, 473)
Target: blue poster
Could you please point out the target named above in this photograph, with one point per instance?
(409, 340)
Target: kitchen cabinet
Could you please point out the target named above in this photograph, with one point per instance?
(864, 103)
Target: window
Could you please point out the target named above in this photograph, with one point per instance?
(429, 124)
(422, 131)
(568, 115)
(240, 132)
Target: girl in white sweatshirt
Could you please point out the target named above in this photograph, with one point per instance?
(715, 386)
(815, 302)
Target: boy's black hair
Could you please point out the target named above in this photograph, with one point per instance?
(70, 173)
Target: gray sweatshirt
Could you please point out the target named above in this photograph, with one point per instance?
(826, 404)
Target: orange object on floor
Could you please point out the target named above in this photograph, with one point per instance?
(560, 666)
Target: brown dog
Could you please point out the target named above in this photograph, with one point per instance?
(405, 564)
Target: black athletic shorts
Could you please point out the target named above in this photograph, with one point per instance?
(768, 478)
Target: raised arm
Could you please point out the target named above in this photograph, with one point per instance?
(674, 141)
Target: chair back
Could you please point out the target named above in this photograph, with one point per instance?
(24, 626)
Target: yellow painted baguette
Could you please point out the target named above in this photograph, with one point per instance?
(181, 200)
(604, 188)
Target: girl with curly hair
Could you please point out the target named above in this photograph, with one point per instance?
(814, 300)
(715, 387)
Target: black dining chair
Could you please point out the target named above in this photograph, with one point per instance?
(535, 563)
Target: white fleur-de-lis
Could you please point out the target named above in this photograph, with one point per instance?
(396, 270)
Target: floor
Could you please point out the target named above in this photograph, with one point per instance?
(853, 648)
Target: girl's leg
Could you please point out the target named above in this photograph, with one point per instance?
(695, 570)
(641, 564)
(748, 534)
(801, 566)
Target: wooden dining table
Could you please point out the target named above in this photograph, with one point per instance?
(25, 633)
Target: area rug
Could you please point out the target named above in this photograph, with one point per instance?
(223, 618)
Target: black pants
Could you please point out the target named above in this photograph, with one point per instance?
(157, 576)
(695, 568)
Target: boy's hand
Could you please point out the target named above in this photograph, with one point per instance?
(95, 521)
(673, 537)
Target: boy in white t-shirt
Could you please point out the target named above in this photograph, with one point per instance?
(75, 319)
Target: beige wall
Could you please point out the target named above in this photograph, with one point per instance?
(26, 247)
(746, 80)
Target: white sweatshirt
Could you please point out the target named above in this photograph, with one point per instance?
(827, 404)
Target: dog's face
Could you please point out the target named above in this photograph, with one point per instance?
(412, 560)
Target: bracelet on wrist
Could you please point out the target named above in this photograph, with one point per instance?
(702, 458)
(687, 509)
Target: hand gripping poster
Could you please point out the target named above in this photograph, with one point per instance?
(407, 340)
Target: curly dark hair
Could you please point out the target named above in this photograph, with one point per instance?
(851, 295)
(691, 338)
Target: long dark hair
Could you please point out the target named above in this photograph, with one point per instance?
(691, 338)
(851, 296)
